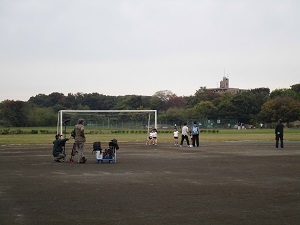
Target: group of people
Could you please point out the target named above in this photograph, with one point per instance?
(193, 133)
(186, 133)
(152, 138)
(79, 140)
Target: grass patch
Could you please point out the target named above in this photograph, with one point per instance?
(46, 135)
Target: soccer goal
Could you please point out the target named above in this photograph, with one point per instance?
(108, 119)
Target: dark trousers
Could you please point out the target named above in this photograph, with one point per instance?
(195, 140)
(185, 137)
(279, 137)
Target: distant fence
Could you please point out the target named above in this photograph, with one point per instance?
(216, 123)
(161, 124)
(204, 124)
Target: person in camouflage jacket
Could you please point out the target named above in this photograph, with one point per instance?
(80, 140)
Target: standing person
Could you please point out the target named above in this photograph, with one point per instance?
(176, 134)
(279, 133)
(195, 134)
(154, 136)
(58, 145)
(80, 140)
(185, 135)
(73, 152)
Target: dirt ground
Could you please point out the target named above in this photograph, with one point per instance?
(217, 183)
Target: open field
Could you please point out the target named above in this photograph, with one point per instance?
(218, 183)
(106, 135)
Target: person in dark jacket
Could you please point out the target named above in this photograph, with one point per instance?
(58, 145)
(279, 133)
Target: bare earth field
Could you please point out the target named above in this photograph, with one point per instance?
(218, 183)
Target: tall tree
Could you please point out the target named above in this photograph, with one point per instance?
(42, 117)
(202, 94)
(296, 88)
(284, 93)
(175, 102)
(15, 113)
(265, 91)
(40, 100)
(204, 110)
(164, 95)
(174, 116)
(285, 108)
(129, 102)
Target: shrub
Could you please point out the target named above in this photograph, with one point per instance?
(44, 131)
(5, 131)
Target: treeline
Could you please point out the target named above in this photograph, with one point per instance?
(250, 107)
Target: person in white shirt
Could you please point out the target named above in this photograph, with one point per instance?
(185, 135)
(154, 136)
(176, 134)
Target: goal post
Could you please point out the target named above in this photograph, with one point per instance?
(61, 113)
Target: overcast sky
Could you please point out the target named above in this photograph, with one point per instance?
(121, 47)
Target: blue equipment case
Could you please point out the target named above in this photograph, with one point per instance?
(108, 155)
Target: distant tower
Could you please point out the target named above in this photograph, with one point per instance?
(224, 83)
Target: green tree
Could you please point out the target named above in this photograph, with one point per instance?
(226, 110)
(296, 88)
(70, 101)
(40, 100)
(285, 108)
(42, 117)
(202, 94)
(129, 102)
(56, 98)
(175, 102)
(264, 91)
(14, 113)
(284, 93)
(204, 110)
(174, 116)
(158, 104)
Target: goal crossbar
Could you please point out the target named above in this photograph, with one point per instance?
(61, 112)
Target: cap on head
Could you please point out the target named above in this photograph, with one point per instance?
(57, 136)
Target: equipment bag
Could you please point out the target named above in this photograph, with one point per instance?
(97, 146)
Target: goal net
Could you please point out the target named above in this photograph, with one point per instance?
(108, 119)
